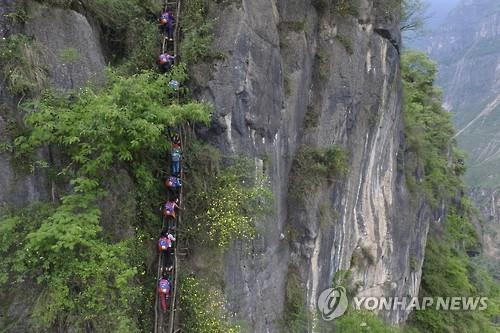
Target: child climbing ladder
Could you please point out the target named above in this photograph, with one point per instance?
(169, 29)
(165, 305)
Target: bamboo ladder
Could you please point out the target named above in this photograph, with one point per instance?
(165, 323)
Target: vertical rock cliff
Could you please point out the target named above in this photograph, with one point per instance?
(294, 74)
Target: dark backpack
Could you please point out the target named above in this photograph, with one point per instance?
(178, 182)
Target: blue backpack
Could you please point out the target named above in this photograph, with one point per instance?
(176, 156)
(173, 84)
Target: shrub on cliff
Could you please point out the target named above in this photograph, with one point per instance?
(429, 132)
(225, 197)
(314, 166)
(21, 65)
(203, 307)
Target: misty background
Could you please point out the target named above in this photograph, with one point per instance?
(438, 10)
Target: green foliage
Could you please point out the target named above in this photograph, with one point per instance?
(448, 272)
(346, 7)
(311, 119)
(429, 131)
(343, 8)
(225, 197)
(20, 59)
(13, 229)
(346, 42)
(141, 46)
(322, 64)
(365, 322)
(203, 308)
(197, 44)
(69, 55)
(434, 170)
(198, 38)
(460, 232)
(82, 279)
(113, 14)
(126, 25)
(313, 166)
(124, 122)
(296, 315)
(18, 15)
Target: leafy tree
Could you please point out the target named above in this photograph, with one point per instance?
(126, 123)
(450, 273)
(429, 131)
(86, 281)
(81, 280)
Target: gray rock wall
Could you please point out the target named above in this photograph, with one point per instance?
(59, 33)
(72, 50)
(284, 60)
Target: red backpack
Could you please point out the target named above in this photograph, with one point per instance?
(164, 19)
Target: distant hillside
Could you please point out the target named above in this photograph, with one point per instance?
(467, 48)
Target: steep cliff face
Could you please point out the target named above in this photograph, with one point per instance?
(59, 33)
(293, 75)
